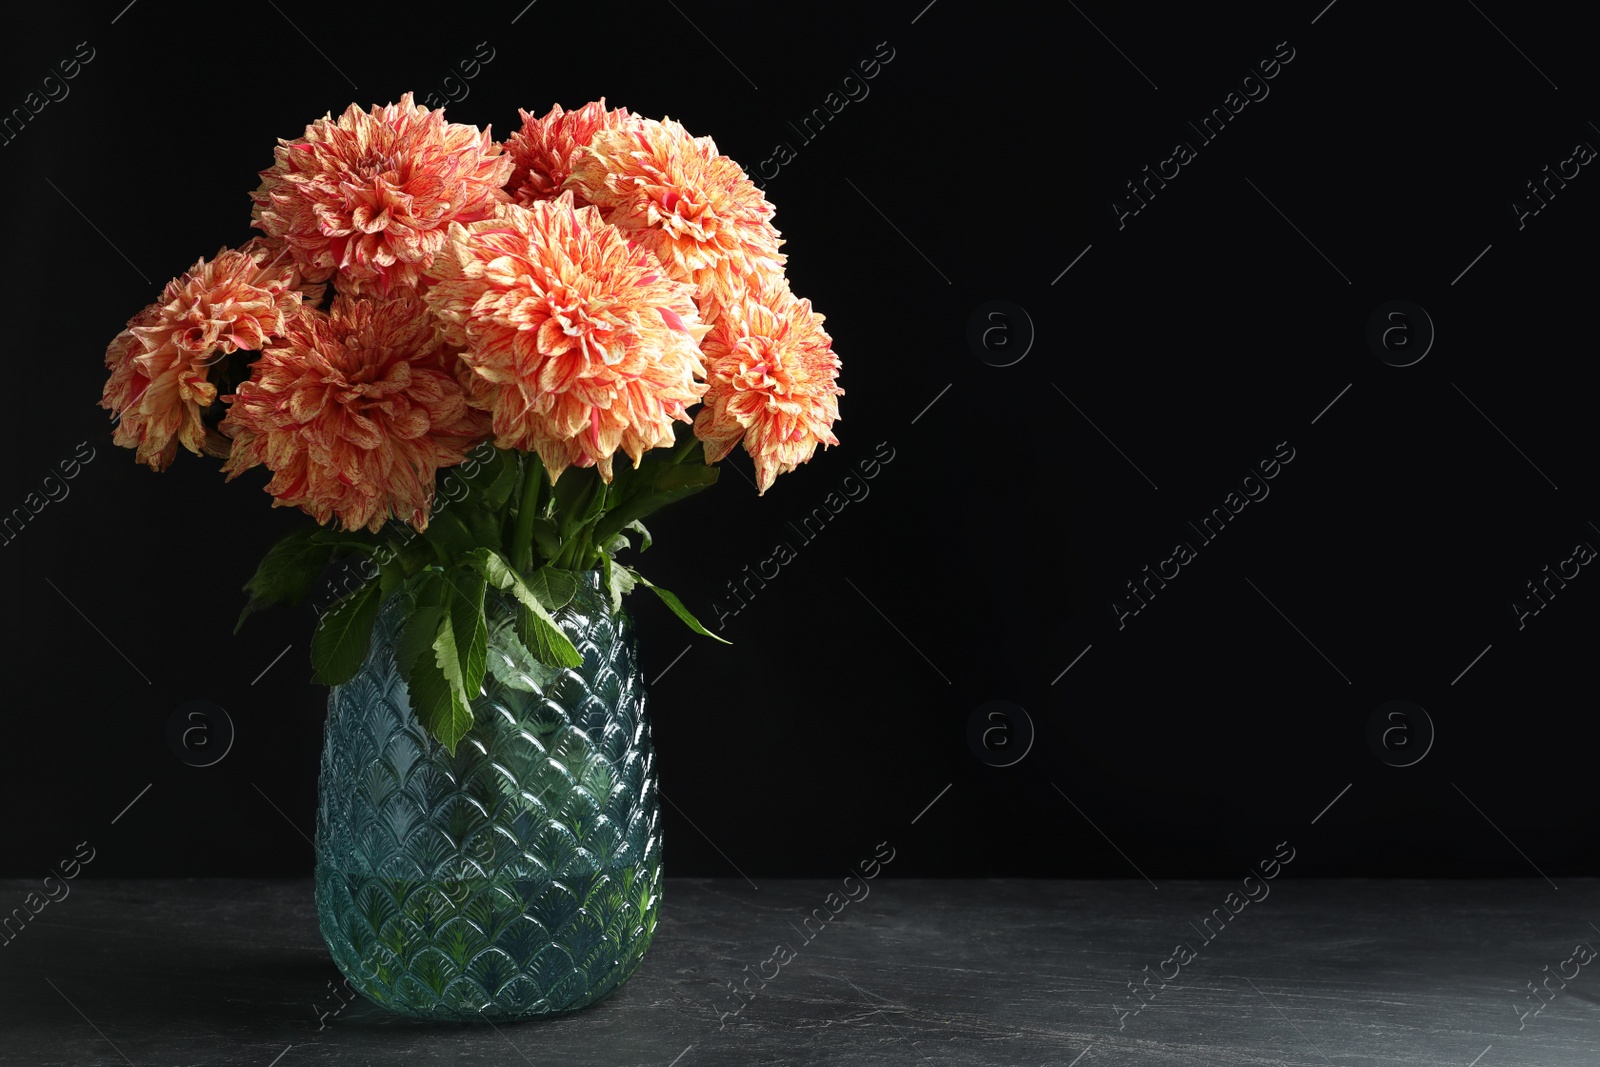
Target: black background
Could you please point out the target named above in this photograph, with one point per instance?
(1219, 721)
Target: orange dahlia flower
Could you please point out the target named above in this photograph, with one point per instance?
(372, 195)
(543, 148)
(354, 412)
(577, 342)
(772, 375)
(161, 363)
(696, 210)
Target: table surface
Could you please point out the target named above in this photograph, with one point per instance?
(981, 972)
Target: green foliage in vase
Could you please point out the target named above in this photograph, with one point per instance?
(504, 528)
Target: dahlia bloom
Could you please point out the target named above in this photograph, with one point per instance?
(372, 195)
(772, 376)
(274, 254)
(577, 342)
(696, 210)
(354, 411)
(161, 363)
(543, 149)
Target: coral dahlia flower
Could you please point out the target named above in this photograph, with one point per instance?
(543, 148)
(695, 209)
(577, 341)
(273, 254)
(354, 411)
(772, 375)
(161, 363)
(372, 195)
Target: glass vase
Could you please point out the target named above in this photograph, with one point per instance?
(520, 876)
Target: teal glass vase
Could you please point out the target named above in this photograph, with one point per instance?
(519, 877)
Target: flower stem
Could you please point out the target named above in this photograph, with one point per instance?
(527, 511)
(681, 450)
(579, 551)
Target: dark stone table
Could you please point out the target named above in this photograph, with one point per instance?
(1360, 972)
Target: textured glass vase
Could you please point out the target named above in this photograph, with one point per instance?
(519, 877)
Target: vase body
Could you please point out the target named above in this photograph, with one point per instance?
(520, 876)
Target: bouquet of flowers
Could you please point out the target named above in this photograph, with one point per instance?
(426, 298)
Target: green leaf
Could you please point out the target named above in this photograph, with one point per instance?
(536, 627)
(644, 535)
(462, 643)
(594, 506)
(654, 485)
(437, 705)
(417, 634)
(414, 553)
(492, 565)
(672, 477)
(287, 573)
(483, 525)
(676, 607)
(546, 537)
(623, 474)
(619, 580)
(573, 493)
(553, 587)
(350, 540)
(492, 478)
(424, 608)
(504, 484)
(517, 668)
(449, 533)
(339, 643)
(391, 576)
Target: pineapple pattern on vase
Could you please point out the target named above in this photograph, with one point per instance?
(520, 876)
